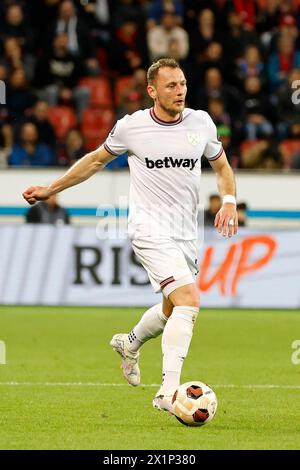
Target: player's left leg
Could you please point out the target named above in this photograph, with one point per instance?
(150, 326)
(176, 340)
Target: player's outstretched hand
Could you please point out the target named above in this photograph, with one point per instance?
(36, 193)
(226, 220)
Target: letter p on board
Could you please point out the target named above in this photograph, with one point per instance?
(2, 353)
(2, 92)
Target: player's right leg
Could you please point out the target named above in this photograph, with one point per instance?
(150, 326)
(167, 268)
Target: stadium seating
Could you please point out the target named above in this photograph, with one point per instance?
(288, 148)
(247, 144)
(62, 118)
(101, 93)
(95, 126)
(120, 86)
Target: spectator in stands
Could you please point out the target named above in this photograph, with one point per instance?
(204, 34)
(246, 11)
(39, 118)
(214, 206)
(20, 98)
(237, 38)
(73, 149)
(241, 208)
(217, 111)
(48, 212)
(267, 18)
(212, 57)
(4, 118)
(157, 8)
(14, 57)
(250, 65)
(174, 52)
(128, 49)
(58, 75)
(295, 130)
(79, 42)
(98, 18)
(256, 110)
(283, 60)
(287, 25)
(192, 9)
(288, 109)
(16, 26)
(229, 43)
(6, 143)
(160, 36)
(232, 151)
(122, 10)
(42, 15)
(29, 152)
(214, 87)
(3, 75)
(264, 154)
(137, 85)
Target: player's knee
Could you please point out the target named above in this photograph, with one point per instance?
(188, 301)
(185, 296)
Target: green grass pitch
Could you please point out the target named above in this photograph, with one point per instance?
(62, 387)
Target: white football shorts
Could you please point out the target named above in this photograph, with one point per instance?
(169, 263)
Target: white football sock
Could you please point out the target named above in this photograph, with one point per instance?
(176, 340)
(150, 326)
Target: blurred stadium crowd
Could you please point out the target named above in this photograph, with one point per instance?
(72, 67)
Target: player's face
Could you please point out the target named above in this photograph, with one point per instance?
(169, 91)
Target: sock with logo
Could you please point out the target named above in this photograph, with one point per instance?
(150, 326)
(176, 340)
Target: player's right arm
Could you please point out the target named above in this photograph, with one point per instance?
(79, 172)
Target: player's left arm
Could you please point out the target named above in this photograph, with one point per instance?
(226, 185)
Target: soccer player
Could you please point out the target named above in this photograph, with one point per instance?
(165, 145)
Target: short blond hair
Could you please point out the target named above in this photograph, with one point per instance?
(154, 68)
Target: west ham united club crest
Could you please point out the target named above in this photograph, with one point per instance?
(193, 137)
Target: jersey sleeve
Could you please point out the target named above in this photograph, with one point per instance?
(116, 142)
(213, 149)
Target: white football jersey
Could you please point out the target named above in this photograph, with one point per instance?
(165, 166)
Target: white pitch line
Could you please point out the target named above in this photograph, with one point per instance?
(99, 384)
(73, 384)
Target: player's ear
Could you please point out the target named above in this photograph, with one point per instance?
(151, 91)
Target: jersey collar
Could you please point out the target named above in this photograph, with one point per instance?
(164, 123)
